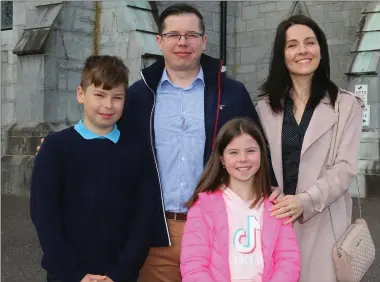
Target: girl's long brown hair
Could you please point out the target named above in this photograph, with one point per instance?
(214, 175)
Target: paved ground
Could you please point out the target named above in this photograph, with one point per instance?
(20, 251)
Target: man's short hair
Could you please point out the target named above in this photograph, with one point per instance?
(180, 9)
(106, 71)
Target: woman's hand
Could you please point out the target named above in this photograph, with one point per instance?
(276, 195)
(287, 206)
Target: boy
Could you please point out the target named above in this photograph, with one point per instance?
(92, 202)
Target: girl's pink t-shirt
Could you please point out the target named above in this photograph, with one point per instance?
(245, 252)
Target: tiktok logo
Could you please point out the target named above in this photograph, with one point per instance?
(250, 238)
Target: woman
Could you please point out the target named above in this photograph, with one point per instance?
(298, 116)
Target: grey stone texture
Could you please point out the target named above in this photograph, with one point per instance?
(46, 84)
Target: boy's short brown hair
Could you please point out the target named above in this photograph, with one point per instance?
(106, 71)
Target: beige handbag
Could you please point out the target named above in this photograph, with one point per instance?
(354, 252)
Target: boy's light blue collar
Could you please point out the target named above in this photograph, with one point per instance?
(114, 135)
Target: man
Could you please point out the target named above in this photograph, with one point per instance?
(179, 105)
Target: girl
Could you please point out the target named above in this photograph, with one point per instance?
(229, 235)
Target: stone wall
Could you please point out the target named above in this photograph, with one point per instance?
(8, 77)
(255, 31)
(69, 44)
(251, 27)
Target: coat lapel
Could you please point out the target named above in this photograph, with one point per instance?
(275, 141)
(324, 117)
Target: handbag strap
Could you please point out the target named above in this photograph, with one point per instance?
(330, 163)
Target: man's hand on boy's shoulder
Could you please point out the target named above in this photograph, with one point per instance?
(95, 278)
(39, 147)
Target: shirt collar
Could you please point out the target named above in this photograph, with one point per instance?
(114, 135)
(165, 77)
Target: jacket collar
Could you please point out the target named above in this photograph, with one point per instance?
(210, 66)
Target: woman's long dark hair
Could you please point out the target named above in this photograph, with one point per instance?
(278, 83)
(215, 175)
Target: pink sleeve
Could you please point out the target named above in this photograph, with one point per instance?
(286, 256)
(196, 250)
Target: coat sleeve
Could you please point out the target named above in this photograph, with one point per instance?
(249, 110)
(196, 250)
(337, 179)
(286, 256)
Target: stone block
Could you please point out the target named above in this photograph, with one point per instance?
(88, 5)
(213, 37)
(71, 64)
(120, 50)
(16, 145)
(4, 57)
(244, 39)
(231, 40)
(78, 45)
(8, 73)
(255, 24)
(19, 9)
(74, 110)
(355, 15)
(245, 69)
(55, 106)
(7, 93)
(231, 56)
(264, 37)
(208, 20)
(8, 113)
(66, 16)
(83, 23)
(239, 9)
(250, 12)
(11, 58)
(232, 9)
(241, 25)
(332, 6)
(317, 13)
(73, 80)
(62, 80)
(216, 22)
(212, 50)
(16, 176)
(335, 41)
(334, 30)
(337, 16)
(108, 21)
(268, 7)
(231, 24)
(244, 77)
(284, 5)
(254, 54)
(208, 6)
(271, 22)
(262, 72)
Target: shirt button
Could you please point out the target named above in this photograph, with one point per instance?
(183, 158)
(182, 184)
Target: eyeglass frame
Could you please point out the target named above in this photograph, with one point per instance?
(184, 35)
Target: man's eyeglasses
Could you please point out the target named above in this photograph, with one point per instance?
(174, 36)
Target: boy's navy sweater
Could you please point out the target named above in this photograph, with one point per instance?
(92, 204)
